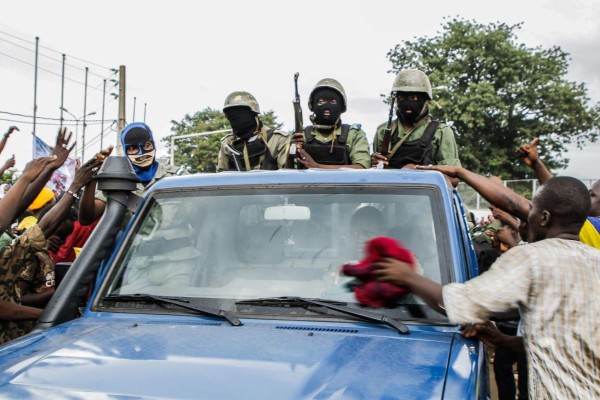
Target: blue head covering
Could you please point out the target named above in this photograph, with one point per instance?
(136, 135)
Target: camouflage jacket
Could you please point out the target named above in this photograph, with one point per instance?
(13, 259)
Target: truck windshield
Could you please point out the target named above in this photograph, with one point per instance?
(234, 244)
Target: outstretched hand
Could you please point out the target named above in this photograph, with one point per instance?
(528, 152)
(10, 130)
(392, 270)
(61, 148)
(35, 167)
(447, 170)
(9, 163)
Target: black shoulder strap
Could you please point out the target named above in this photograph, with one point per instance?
(308, 135)
(270, 134)
(428, 134)
(344, 135)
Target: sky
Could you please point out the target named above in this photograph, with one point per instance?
(183, 56)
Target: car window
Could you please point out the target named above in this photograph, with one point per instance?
(240, 244)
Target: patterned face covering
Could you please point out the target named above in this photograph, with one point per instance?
(139, 146)
(138, 143)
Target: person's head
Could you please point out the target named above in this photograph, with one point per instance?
(595, 199)
(412, 91)
(560, 207)
(366, 223)
(327, 101)
(138, 143)
(243, 113)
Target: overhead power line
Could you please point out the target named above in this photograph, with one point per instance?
(54, 59)
(56, 51)
(46, 70)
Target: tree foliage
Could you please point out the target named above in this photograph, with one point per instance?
(498, 93)
(199, 154)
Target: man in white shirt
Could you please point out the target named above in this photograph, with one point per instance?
(555, 283)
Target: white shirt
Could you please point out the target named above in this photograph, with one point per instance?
(556, 285)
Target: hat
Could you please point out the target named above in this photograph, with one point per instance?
(40, 201)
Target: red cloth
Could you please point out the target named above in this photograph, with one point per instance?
(369, 291)
(77, 238)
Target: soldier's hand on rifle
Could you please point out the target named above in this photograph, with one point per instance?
(305, 159)
(376, 158)
(528, 152)
(298, 139)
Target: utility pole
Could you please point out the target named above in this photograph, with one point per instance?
(121, 123)
(134, 101)
(62, 90)
(102, 120)
(84, 115)
(35, 79)
(144, 112)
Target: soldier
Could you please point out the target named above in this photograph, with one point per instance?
(252, 145)
(416, 139)
(328, 143)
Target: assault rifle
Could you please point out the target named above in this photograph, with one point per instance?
(298, 123)
(387, 134)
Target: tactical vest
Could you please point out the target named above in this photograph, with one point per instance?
(334, 153)
(419, 151)
(258, 153)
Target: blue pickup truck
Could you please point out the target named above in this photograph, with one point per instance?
(228, 286)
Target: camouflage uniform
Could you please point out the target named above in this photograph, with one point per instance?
(277, 146)
(13, 259)
(357, 144)
(416, 148)
(445, 150)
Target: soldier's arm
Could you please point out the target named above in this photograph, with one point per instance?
(359, 151)
(447, 150)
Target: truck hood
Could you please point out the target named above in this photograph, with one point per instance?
(202, 359)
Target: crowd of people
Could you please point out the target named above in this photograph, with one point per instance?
(540, 256)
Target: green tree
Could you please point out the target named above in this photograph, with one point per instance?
(8, 176)
(498, 93)
(199, 154)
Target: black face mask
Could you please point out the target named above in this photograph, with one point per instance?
(242, 121)
(407, 110)
(335, 110)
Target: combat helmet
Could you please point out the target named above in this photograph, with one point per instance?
(241, 98)
(328, 83)
(412, 80)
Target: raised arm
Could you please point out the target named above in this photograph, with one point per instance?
(12, 203)
(90, 208)
(5, 137)
(529, 154)
(61, 152)
(498, 195)
(8, 164)
(56, 215)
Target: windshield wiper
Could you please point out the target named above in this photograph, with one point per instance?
(175, 301)
(332, 305)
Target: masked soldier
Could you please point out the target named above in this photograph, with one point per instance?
(138, 145)
(252, 145)
(416, 139)
(328, 143)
